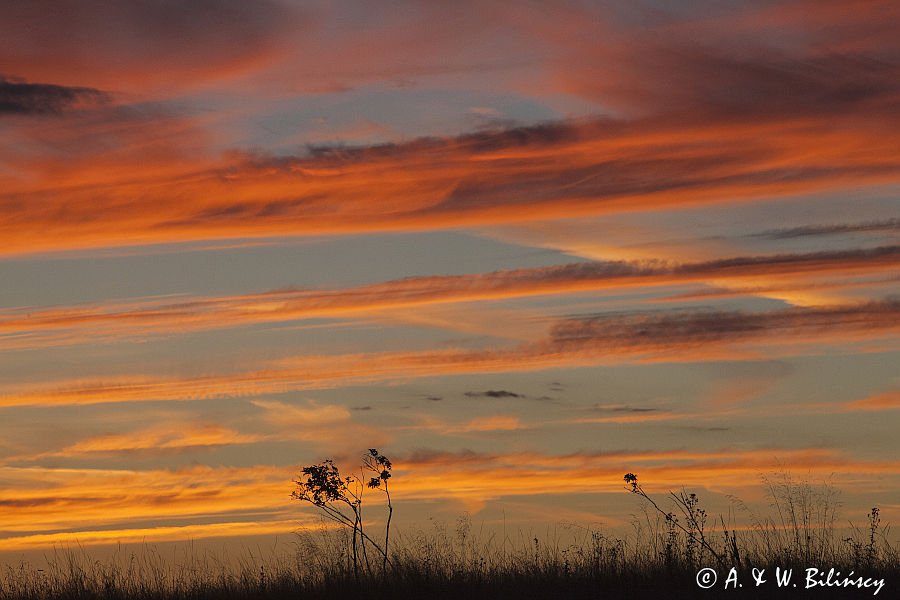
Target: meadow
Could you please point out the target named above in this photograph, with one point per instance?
(672, 539)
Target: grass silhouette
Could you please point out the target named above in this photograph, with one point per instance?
(660, 559)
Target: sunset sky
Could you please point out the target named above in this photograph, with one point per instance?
(519, 247)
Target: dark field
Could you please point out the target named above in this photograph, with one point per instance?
(659, 559)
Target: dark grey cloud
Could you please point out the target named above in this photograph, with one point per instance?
(546, 134)
(493, 394)
(778, 84)
(658, 331)
(887, 225)
(712, 429)
(621, 408)
(128, 45)
(21, 98)
(772, 262)
(845, 60)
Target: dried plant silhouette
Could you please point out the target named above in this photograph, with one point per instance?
(381, 466)
(694, 517)
(340, 499)
(659, 559)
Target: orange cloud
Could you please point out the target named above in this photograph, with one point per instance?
(617, 339)
(639, 417)
(56, 499)
(162, 438)
(782, 289)
(326, 426)
(757, 101)
(527, 174)
(128, 503)
(485, 476)
(329, 426)
(889, 400)
(485, 424)
(153, 535)
(597, 415)
(38, 327)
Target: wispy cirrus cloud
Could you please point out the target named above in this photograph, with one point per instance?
(160, 439)
(331, 426)
(48, 501)
(313, 424)
(575, 342)
(33, 327)
(154, 534)
(530, 473)
(490, 424)
(532, 173)
(883, 226)
(661, 332)
(105, 497)
(888, 400)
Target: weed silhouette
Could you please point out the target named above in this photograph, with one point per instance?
(573, 561)
(340, 499)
